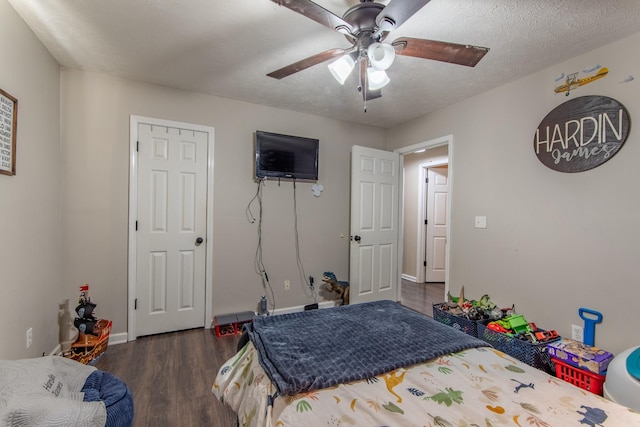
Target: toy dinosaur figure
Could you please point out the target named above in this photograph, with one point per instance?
(456, 301)
(340, 288)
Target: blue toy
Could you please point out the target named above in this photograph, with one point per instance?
(589, 325)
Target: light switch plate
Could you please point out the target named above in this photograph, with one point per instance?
(481, 222)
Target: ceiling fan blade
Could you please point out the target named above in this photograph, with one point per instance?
(318, 13)
(307, 62)
(453, 53)
(398, 11)
(367, 94)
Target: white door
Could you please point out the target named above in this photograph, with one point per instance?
(373, 272)
(436, 242)
(171, 229)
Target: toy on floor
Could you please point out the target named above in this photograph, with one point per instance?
(484, 308)
(475, 310)
(93, 333)
(339, 287)
(517, 326)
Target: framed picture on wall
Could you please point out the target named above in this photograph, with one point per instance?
(8, 126)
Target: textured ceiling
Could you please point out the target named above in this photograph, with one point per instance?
(226, 47)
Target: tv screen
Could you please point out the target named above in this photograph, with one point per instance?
(286, 156)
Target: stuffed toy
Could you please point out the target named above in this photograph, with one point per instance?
(340, 288)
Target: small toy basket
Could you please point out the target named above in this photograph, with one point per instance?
(231, 324)
(533, 354)
(582, 378)
(467, 326)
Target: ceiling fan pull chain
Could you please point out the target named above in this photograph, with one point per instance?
(359, 88)
(361, 57)
(364, 96)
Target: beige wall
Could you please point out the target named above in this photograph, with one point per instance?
(29, 201)
(94, 182)
(555, 241)
(411, 188)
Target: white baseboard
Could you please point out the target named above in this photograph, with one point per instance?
(56, 351)
(294, 309)
(324, 304)
(113, 340)
(409, 278)
(120, 338)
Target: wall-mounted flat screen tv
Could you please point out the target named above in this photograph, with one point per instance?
(286, 156)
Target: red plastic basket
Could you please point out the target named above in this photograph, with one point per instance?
(586, 380)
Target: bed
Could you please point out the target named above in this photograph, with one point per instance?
(381, 364)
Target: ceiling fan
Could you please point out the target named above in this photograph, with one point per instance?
(366, 26)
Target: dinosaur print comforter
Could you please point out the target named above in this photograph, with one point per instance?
(474, 387)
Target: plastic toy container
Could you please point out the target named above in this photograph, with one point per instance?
(231, 324)
(582, 378)
(579, 355)
(460, 323)
(533, 354)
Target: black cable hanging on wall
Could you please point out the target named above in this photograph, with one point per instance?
(258, 263)
(303, 275)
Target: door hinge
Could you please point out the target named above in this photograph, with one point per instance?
(136, 225)
(137, 145)
(135, 304)
(426, 222)
(426, 180)
(425, 263)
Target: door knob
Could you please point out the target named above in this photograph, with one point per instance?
(199, 241)
(356, 238)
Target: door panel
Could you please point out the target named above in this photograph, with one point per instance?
(171, 206)
(373, 271)
(437, 202)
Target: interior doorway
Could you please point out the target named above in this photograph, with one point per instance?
(170, 217)
(433, 221)
(431, 153)
(374, 225)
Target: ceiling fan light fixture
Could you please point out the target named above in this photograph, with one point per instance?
(385, 25)
(381, 55)
(341, 68)
(377, 79)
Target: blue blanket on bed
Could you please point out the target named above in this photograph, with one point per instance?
(316, 349)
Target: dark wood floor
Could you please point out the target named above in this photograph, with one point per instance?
(170, 375)
(421, 296)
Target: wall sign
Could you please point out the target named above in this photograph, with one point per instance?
(581, 134)
(8, 122)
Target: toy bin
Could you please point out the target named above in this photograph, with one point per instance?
(580, 355)
(533, 354)
(231, 324)
(582, 378)
(460, 323)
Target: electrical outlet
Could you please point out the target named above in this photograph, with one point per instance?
(287, 285)
(29, 337)
(577, 333)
